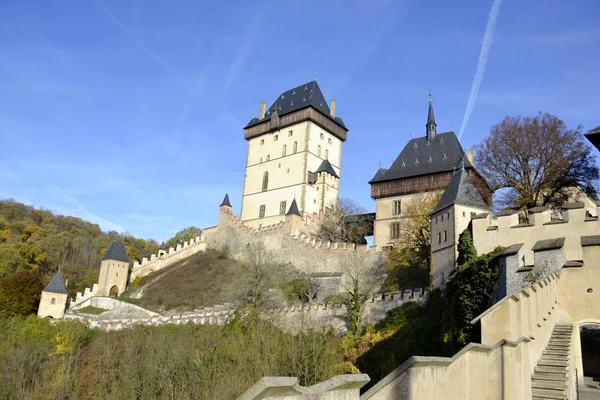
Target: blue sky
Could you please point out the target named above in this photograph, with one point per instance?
(130, 113)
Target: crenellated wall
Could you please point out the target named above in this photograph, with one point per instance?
(87, 293)
(173, 255)
(289, 240)
(505, 230)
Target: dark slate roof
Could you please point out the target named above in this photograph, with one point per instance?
(293, 209)
(538, 209)
(378, 175)
(56, 285)
(305, 95)
(592, 240)
(506, 212)
(549, 244)
(225, 201)
(421, 157)
(162, 246)
(116, 252)
(481, 216)
(327, 167)
(594, 137)
(430, 116)
(461, 191)
(573, 264)
(511, 250)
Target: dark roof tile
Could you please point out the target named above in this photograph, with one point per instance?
(461, 191)
(422, 157)
(511, 250)
(305, 95)
(293, 209)
(591, 240)
(327, 167)
(225, 201)
(378, 175)
(116, 252)
(56, 284)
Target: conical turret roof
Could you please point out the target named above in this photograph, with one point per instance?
(56, 284)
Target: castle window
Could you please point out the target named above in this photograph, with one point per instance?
(53, 300)
(397, 207)
(473, 215)
(448, 215)
(276, 137)
(326, 154)
(282, 207)
(261, 211)
(295, 147)
(265, 184)
(262, 141)
(464, 214)
(261, 159)
(445, 236)
(290, 133)
(117, 274)
(329, 140)
(442, 217)
(284, 150)
(268, 157)
(322, 136)
(395, 231)
(439, 238)
(319, 151)
(436, 220)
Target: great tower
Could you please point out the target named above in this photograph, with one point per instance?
(294, 152)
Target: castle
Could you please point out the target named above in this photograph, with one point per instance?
(530, 345)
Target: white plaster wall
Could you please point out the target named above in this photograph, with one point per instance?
(47, 309)
(112, 273)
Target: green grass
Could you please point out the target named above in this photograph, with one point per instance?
(92, 310)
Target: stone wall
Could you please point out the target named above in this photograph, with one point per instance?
(173, 255)
(287, 242)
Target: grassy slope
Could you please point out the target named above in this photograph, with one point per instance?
(201, 280)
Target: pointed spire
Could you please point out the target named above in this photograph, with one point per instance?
(162, 246)
(226, 202)
(56, 285)
(293, 209)
(431, 125)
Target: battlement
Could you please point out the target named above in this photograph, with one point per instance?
(161, 260)
(313, 242)
(87, 293)
(504, 229)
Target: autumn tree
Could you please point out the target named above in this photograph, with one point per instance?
(415, 228)
(533, 161)
(344, 222)
(184, 235)
(20, 293)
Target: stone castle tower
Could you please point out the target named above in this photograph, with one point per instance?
(294, 152)
(114, 271)
(54, 298)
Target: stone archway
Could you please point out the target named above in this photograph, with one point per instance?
(114, 291)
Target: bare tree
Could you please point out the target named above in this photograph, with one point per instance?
(533, 161)
(362, 277)
(344, 222)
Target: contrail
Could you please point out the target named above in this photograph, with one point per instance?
(483, 56)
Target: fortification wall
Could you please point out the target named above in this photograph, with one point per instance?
(173, 255)
(286, 242)
(87, 293)
(505, 230)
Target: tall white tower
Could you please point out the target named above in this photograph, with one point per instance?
(294, 152)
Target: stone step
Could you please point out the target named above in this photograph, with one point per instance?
(560, 340)
(550, 376)
(560, 336)
(545, 384)
(558, 347)
(554, 357)
(549, 394)
(551, 369)
(564, 353)
(552, 363)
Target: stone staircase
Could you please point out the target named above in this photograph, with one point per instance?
(549, 380)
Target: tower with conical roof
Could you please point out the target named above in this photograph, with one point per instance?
(431, 126)
(294, 151)
(53, 301)
(114, 271)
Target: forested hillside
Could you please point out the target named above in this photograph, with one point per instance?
(35, 242)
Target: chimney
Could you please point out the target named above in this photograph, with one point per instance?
(263, 109)
(470, 156)
(332, 108)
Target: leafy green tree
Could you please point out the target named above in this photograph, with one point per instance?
(183, 235)
(20, 293)
(466, 248)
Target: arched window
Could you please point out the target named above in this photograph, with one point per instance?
(265, 185)
(319, 151)
(284, 150)
(295, 147)
(326, 154)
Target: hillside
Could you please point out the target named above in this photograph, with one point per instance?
(201, 280)
(35, 242)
